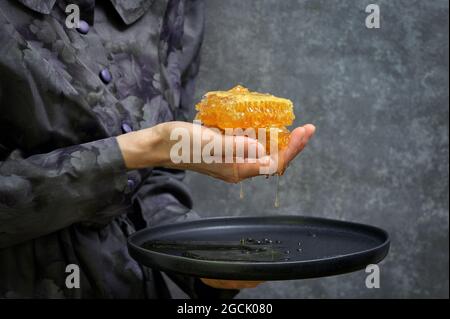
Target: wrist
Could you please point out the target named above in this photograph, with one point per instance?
(143, 148)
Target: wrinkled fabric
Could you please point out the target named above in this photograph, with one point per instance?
(65, 195)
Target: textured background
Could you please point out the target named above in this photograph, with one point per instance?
(379, 99)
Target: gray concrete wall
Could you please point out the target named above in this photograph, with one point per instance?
(379, 99)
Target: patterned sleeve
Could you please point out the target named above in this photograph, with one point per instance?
(44, 193)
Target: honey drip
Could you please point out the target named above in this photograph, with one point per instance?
(277, 191)
(239, 108)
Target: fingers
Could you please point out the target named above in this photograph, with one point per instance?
(248, 170)
(244, 157)
(229, 284)
(310, 130)
(299, 138)
(231, 146)
(242, 147)
(276, 162)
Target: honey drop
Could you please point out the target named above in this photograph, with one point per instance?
(277, 191)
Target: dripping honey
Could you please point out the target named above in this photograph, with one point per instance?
(239, 108)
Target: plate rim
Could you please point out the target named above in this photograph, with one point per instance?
(383, 248)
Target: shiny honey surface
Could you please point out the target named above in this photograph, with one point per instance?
(241, 108)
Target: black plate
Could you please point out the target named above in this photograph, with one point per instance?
(328, 247)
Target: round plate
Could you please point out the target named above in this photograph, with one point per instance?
(313, 247)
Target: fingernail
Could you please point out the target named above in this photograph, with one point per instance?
(312, 128)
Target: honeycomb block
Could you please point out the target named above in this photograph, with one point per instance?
(241, 108)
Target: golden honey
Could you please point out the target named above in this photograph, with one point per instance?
(241, 108)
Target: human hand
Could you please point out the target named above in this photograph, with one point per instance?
(152, 147)
(230, 284)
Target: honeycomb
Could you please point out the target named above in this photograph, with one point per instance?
(241, 108)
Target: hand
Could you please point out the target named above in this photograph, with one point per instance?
(151, 147)
(229, 284)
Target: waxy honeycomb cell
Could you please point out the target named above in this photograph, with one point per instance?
(241, 108)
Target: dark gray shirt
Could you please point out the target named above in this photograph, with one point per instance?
(65, 195)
